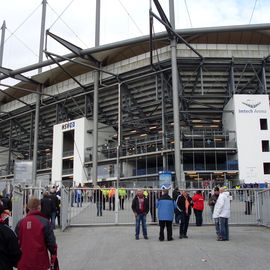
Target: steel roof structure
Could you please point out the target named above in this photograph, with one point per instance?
(235, 60)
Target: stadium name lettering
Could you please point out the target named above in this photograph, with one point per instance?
(251, 111)
(68, 125)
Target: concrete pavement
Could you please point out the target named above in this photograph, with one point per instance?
(115, 248)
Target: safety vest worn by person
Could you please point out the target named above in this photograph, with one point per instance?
(145, 193)
(105, 192)
(111, 192)
(122, 193)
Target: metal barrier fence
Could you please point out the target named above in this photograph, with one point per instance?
(89, 206)
(64, 208)
(19, 201)
(264, 207)
(17, 206)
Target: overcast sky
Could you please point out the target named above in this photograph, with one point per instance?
(120, 19)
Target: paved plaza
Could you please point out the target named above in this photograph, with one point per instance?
(114, 248)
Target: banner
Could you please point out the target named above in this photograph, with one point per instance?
(23, 172)
(165, 179)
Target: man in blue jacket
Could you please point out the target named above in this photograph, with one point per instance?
(165, 206)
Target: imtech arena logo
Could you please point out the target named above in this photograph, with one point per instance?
(252, 105)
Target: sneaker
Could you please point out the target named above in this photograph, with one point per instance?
(170, 239)
(161, 239)
(146, 237)
(137, 238)
(221, 239)
(185, 236)
(181, 236)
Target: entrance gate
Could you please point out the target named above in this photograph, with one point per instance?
(244, 207)
(264, 207)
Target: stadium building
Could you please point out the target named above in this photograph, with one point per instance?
(220, 133)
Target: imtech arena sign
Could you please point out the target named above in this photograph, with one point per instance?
(251, 107)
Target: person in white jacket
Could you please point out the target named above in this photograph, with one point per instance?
(222, 212)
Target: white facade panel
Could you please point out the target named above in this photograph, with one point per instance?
(57, 153)
(248, 110)
(79, 173)
(82, 140)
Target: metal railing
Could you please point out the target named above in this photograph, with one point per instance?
(85, 211)
(17, 206)
(64, 209)
(154, 143)
(20, 196)
(264, 207)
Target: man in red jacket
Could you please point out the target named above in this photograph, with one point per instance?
(198, 206)
(36, 238)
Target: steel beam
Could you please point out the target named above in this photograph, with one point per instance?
(2, 42)
(138, 40)
(263, 78)
(13, 97)
(232, 81)
(30, 153)
(35, 148)
(73, 48)
(9, 147)
(26, 90)
(95, 129)
(19, 77)
(177, 35)
(65, 71)
(79, 63)
(163, 121)
(119, 135)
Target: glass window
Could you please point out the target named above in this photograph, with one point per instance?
(221, 161)
(266, 168)
(263, 124)
(188, 162)
(265, 146)
(210, 161)
(199, 162)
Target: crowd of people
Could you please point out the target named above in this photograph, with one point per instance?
(50, 205)
(103, 197)
(179, 207)
(33, 244)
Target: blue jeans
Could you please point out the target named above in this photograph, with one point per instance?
(99, 208)
(216, 220)
(224, 228)
(140, 218)
(79, 201)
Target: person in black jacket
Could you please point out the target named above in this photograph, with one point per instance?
(152, 203)
(9, 246)
(7, 204)
(98, 200)
(46, 205)
(184, 204)
(55, 202)
(175, 194)
(140, 208)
